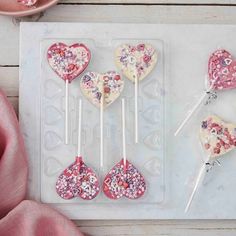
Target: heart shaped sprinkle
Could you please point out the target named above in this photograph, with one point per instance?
(121, 181)
(222, 70)
(94, 85)
(27, 3)
(136, 60)
(78, 180)
(68, 61)
(217, 137)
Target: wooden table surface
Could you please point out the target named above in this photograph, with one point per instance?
(154, 11)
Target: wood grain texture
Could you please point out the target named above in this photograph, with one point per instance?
(156, 14)
(111, 13)
(172, 2)
(158, 228)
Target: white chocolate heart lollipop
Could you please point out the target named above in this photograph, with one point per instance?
(136, 62)
(217, 137)
(94, 85)
(101, 90)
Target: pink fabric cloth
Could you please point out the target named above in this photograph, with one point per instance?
(18, 217)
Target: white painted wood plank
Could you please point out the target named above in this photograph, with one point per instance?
(151, 1)
(9, 81)
(89, 13)
(171, 228)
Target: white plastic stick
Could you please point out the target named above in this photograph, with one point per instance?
(67, 112)
(79, 128)
(101, 129)
(123, 131)
(136, 108)
(199, 179)
(187, 118)
(190, 114)
(198, 182)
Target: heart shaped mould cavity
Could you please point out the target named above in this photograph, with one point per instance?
(127, 182)
(136, 60)
(222, 70)
(93, 85)
(68, 61)
(78, 180)
(217, 137)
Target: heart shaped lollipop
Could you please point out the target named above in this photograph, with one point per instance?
(217, 137)
(121, 181)
(124, 179)
(135, 60)
(222, 70)
(78, 180)
(68, 61)
(96, 86)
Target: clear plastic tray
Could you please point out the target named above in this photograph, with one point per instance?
(148, 156)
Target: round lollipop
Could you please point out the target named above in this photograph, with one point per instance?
(101, 90)
(217, 138)
(78, 180)
(221, 76)
(68, 62)
(136, 62)
(124, 179)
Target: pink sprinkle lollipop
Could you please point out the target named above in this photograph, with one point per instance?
(78, 180)
(68, 62)
(124, 179)
(221, 76)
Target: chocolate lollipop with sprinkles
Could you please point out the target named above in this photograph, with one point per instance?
(217, 138)
(136, 62)
(68, 62)
(124, 179)
(221, 76)
(102, 89)
(78, 180)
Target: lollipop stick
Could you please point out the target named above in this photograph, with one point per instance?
(101, 129)
(79, 129)
(66, 111)
(199, 180)
(196, 186)
(123, 132)
(190, 114)
(136, 108)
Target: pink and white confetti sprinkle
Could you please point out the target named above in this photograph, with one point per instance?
(78, 180)
(222, 70)
(68, 61)
(121, 181)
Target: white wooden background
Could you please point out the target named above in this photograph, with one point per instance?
(155, 11)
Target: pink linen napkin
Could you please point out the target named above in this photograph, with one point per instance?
(18, 217)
